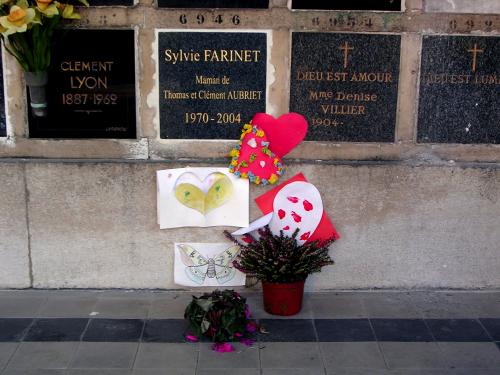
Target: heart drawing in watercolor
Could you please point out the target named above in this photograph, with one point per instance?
(297, 205)
(203, 196)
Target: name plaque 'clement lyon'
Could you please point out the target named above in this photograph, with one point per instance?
(459, 90)
(91, 88)
(346, 85)
(211, 83)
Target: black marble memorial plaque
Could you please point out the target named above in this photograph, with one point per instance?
(385, 5)
(3, 123)
(211, 83)
(459, 90)
(213, 3)
(91, 89)
(346, 85)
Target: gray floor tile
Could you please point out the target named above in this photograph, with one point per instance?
(424, 372)
(169, 305)
(418, 355)
(167, 355)
(485, 304)
(242, 357)
(290, 355)
(6, 351)
(390, 305)
(21, 306)
(293, 371)
(68, 306)
(352, 355)
(104, 355)
(228, 371)
(122, 307)
(172, 371)
(256, 304)
(338, 305)
(358, 371)
(99, 372)
(33, 372)
(444, 305)
(471, 355)
(43, 355)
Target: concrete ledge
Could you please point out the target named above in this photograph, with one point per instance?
(463, 6)
(93, 225)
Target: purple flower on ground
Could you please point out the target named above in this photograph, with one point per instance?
(251, 327)
(222, 347)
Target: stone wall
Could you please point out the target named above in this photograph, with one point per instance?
(82, 213)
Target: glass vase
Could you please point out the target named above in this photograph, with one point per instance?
(37, 83)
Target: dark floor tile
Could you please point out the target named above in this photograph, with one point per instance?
(410, 330)
(498, 344)
(13, 329)
(280, 330)
(493, 327)
(330, 330)
(114, 330)
(56, 330)
(457, 330)
(165, 330)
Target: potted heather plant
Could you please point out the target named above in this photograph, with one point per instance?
(282, 265)
(222, 317)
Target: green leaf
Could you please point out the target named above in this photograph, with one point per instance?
(205, 304)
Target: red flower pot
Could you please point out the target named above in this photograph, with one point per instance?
(283, 298)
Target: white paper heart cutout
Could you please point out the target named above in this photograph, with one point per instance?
(297, 205)
(262, 163)
(252, 143)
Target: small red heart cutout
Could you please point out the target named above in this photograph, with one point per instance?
(281, 213)
(307, 205)
(286, 228)
(296, 217)
(293, 199)
(305, 236)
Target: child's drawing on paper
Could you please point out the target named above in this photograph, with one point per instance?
(202, 264)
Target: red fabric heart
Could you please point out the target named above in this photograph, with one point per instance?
(284, 133)
(253, 158)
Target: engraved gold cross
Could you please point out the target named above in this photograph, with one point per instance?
(346, 48)
(474, 52)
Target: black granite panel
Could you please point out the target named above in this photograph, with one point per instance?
(210, 83)
(332, 330)
(288, 330)
(492, 326)
(114, 330)
(346, 85)
(3, 126)
(387, 5)
(466, 330)
(63, 329)
(411, 330)
(213, 3)
(91, 89)
(459, 90)
(165, 330)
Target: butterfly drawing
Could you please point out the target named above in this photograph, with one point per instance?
(199, 267)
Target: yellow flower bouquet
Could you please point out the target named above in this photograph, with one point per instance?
(27, 30)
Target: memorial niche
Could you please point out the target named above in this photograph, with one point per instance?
(3, 122)
(346, 85)
(384, 5)
(459, 90)
(91, 87)
(213, 3)
(210, 83)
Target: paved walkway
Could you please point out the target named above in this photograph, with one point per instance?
(141, 333)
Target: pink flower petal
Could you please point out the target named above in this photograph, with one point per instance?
(191, 338)
(223, 347)
(237, 334)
